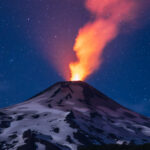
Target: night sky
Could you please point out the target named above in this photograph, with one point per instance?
(36, 36)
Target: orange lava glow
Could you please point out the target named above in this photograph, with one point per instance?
(96, 34)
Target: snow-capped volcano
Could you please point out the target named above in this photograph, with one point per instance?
(69, 114)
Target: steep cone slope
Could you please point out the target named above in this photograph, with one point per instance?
(69, 114)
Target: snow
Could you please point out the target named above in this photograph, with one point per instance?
(69, 103)
(42, 125)
(145, 130)
(83, 110)
(40, 146)
(120, 142)
(122, 123)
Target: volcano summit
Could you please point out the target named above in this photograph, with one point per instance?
(67, 115)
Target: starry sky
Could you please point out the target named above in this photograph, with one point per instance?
(38, 35)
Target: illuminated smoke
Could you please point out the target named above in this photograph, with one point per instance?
(97, 33)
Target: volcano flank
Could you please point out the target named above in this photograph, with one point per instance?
(68, 115)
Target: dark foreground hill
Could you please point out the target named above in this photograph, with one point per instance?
(116, 147)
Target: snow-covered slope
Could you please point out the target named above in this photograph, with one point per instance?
(69, 114)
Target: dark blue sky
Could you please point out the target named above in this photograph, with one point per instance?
(34, 33)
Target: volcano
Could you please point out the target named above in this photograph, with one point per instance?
(67, 115)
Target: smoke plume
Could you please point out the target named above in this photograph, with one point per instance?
(107, 15)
